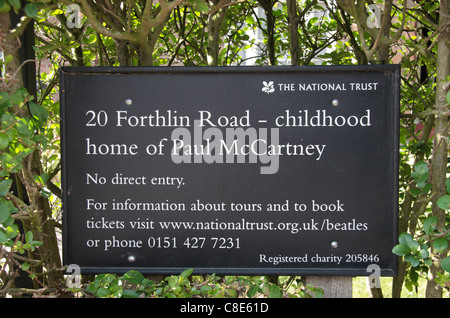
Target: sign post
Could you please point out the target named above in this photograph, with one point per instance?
(233, 171)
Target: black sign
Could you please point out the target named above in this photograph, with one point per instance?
(236, 170)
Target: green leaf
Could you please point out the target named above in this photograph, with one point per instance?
(31, 10)
(12, 231)
(25, 266)
(92, 287)
(102, 292)
(19, 96)
(319, 293)
(428, 261)
(36, 243)
(422, 180)
(134, 277)
(176, 289)
(252, 291)
(23, 128)
(4, 141)
(29, 236)
(57, 12)
(108, 279)
(116, 291)
(42, 179)
(4, 98)
(401, 250)
(445, 264)
(421, 167)
(407, 240)
(4, 6)
(39, 112)
(428, 225)
(186, 273)
(202, 6)
(15, 4)
(414, 276)
(274, 291)
(413, 260)
(173, 281)
(4, 186)
(423, 253)
(8, 58)
(440, 244)
(7, 119)
(129, 293)
(206, 288)
(421, 185)
(3, 237)
(444, 202)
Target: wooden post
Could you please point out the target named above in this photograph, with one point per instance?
(333, 286)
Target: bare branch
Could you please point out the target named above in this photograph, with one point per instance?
(98, 26)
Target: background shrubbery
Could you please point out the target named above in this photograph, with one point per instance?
(37, 37)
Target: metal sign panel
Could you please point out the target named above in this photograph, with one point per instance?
(235, 170)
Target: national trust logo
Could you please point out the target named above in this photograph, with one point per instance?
(268, 87)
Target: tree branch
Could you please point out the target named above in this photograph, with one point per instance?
(98, 26)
